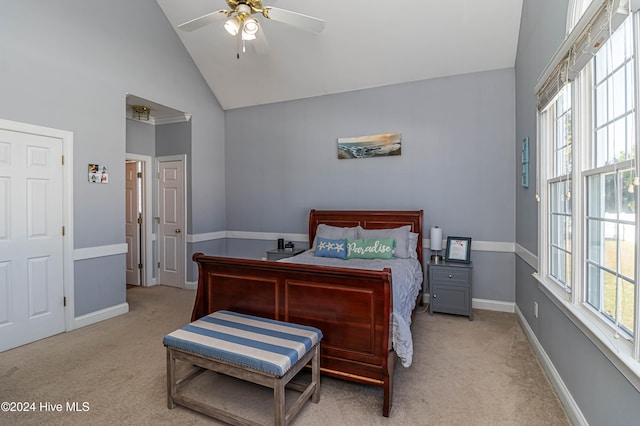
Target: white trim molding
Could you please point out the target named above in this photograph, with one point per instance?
(615, 349)
(527, 256)
(485, 304)
(245, 235)
(101, 315)
(209, 236)
(115, 249)
(493, 246)
(156, 121)
(493, 305)
(100, 251)
(496, 246)
(569, 404)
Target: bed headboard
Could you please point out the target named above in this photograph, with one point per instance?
(368, 219)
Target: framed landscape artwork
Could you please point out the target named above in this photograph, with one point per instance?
(384, 145)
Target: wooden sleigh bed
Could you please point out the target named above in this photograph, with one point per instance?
(352, 307)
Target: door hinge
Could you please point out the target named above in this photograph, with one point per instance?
(140, 220)
(158, 175)
(64, 301)
(63, 231)
(140, 266)
(158, 265)
(139, 175)
(158, 219)
(63, 160)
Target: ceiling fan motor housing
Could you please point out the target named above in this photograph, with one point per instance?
(254, 5)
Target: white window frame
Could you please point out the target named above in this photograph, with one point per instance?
(555, 178)
(623, 353)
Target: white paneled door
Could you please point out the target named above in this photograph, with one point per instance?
(171, 227)
(31, 240)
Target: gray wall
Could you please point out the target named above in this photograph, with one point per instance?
(458, 145)
(141, 138)
(602, 394)
(175, 139)
(68, 65)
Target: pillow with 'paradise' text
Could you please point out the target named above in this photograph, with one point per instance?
(381, 248)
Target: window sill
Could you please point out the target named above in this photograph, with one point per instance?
(617, 350)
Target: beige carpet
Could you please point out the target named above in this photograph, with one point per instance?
(480, 372)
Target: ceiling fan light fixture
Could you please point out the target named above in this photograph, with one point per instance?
(248, 37)
(250, 26)
(232, 25)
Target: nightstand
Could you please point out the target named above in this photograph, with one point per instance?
(450, 288)
(277, 254)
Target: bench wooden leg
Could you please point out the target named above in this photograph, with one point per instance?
(315, 374)
(171, 378)
(279, 402)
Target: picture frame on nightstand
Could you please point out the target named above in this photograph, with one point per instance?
(458, 250)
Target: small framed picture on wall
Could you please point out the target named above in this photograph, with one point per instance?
(98, 173)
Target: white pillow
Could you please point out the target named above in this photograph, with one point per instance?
(401, 235)
(335, 233)
(413, 245)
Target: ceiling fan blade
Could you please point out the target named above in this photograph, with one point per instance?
(194, 24)
(305, 22)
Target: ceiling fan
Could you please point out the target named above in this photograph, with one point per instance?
(241, 23)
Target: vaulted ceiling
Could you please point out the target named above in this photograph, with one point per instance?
(364, 44)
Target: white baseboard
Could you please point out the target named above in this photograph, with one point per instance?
(101, 315)
(151, 283)
(493, 305)
(569, 404)
(191, 285)
(489, 305)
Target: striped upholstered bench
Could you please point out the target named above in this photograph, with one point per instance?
(258, 350)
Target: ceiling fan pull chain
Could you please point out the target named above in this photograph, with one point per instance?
(238, 38)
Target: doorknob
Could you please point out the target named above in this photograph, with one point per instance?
(178, 230)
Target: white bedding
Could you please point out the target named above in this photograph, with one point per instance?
(406, 276)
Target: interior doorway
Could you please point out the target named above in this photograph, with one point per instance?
(139, 220)
(155, 131)
(36, 269)
(133, 222)
(171, 220)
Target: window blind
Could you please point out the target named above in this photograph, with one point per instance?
(599, 21)
(554, 84)
(575, 10)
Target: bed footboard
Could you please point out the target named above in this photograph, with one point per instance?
(352, 307)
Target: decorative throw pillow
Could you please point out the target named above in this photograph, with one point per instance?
(334, 233)
(370, 248)
(413, 245)
(401, 235)
(331, 248)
